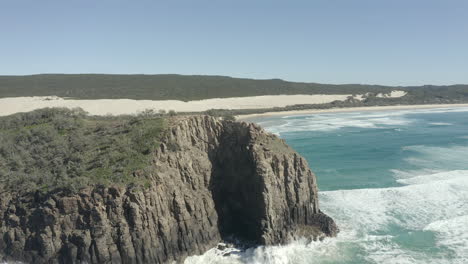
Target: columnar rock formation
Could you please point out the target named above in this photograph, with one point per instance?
(213, 180)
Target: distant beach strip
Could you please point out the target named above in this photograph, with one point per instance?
(348, 109)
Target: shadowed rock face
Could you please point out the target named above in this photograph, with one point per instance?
(214, 180)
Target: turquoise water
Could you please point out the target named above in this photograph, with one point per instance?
(396, 182)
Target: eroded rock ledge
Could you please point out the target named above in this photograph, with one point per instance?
(215, 180)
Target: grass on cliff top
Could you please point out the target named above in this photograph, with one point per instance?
(59, 148)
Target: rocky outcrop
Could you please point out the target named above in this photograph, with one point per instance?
(213, 180)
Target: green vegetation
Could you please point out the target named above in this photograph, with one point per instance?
(226, 115)
(164, 87)
(429, 95)
(59, 148)
(184, 87)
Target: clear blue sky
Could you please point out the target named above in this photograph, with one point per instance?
(396, 42)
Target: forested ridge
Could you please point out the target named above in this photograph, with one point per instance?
(187, 87)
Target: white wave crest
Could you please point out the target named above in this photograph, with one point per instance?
(438, 158)
(426, 200)
(412, 206)
(440, 176)
(440, 124)
(295, 252)
(333, 121)
(453, 234)
(329, 122)
(365, 215)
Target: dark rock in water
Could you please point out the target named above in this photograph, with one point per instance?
(221, 246)
(215, 179)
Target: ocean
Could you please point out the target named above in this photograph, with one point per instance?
(396, 183)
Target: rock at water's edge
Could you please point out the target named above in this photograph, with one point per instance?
(215, 179)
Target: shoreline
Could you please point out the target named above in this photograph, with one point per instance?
(346, 109)
(114, 107)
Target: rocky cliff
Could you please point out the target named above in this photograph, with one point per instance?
(214, 180)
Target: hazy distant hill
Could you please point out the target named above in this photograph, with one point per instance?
(184, 87)
(94, 86)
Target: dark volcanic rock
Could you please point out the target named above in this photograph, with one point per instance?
(214, 180)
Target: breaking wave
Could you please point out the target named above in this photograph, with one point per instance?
(421, 219)
(334, 121)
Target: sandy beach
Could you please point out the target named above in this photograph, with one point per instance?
(13, 105)
(348, 109)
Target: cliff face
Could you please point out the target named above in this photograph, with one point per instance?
(214, 180)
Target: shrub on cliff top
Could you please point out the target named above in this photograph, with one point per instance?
(60, 148)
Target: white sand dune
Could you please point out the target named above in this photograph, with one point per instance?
(392, 94)
(13, 105)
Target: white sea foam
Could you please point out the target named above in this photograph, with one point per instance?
(440, 176)
(294, 252)
(333, 121)
(405, 174)
(440, 124)
(432, 162)
(431, 200)
(440, 110)
(364, 216)
(424, 201)
(329, 122)
(438, 158)
(435, 202)
(453, 234)
(412, 206)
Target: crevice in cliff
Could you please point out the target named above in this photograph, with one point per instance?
(237, 189)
